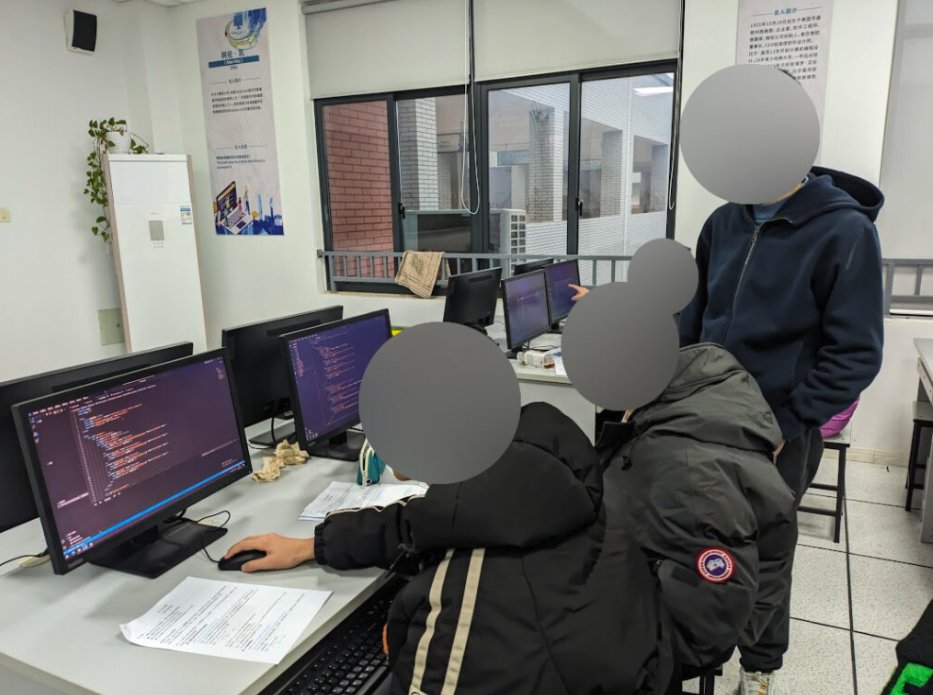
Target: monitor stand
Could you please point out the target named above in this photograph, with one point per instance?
(342, 447)
(279, 434)
(154, 552)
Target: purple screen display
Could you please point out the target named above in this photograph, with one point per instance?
(328, 366)
(560, 295)
(114, 458)
(526, 302)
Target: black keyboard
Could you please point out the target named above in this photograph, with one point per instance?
(350, 660)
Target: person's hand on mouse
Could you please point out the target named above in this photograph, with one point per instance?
(581, 292)
(282, 553)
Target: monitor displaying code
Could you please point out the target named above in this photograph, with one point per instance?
(526, 304)
(115, 457)
(560, 295)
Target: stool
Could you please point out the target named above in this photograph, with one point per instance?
(841, 443)
(923, 419)
(707, 682)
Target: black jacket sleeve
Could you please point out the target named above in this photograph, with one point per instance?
(547, 485)
(853, 333)
(691, 318)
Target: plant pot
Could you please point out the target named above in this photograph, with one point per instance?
(118, 143)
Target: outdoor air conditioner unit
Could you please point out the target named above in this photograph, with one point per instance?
(314, 6)
(507, 227)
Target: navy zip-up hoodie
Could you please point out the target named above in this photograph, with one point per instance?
(798, 301)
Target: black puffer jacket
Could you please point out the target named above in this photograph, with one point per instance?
(525, 589)
(694, 480)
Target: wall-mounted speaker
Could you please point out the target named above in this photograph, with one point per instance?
(80, 31)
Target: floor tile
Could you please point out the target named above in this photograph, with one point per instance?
(819, 661)
(821, 587)
(869, 482)
(888, 598)
(888, 533)
(816, 530)
(875, 661)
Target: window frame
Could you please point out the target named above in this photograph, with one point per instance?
(477, 142)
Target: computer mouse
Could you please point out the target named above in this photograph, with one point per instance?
(235, 562)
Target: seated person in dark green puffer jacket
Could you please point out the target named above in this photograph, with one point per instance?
(692, 476)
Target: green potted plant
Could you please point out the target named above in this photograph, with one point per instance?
(109, 135)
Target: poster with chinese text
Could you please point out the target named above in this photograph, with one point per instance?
(792, 37)
(237, 88)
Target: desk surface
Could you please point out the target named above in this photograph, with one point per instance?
(63, 631)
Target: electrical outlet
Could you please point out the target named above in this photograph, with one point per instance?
(111, 326)
(5, 215)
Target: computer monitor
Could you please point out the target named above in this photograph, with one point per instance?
(524, 299)
(531, 266)
(327, 364)
(17, 505)
(260, 375)
(471, 298)
(112, 464)
(559, 277)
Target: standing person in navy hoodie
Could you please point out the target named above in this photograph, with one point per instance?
(793, 289)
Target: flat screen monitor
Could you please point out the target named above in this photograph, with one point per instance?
(531, 266)
(471, 298)
(260, 375)
(327, 366)
(559, 277)
(17, 505)
(113, 463)
(526, 308)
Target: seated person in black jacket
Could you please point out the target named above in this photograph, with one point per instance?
(522, 585)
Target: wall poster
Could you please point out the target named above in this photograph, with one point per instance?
(237, 87)
(792, 37)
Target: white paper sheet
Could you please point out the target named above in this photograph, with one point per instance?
(350, 496)
(559, 364)
(227, 619)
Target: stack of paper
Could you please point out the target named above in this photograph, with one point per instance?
(339, 496)
(227, 619)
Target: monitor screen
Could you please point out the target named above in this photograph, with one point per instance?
(559, 293)
(327, 366)
(257, 366)
(108, 458)
(526, 308)
(17, 505)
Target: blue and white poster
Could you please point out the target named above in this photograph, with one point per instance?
(237, 86)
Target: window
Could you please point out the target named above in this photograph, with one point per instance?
(572, 164)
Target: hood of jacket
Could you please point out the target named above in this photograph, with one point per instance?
(829, 190)
(712, 398)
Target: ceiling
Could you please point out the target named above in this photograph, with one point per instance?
(172, 3)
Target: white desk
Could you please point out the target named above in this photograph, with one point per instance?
(925, 392)
(61, 634)
(546, 385)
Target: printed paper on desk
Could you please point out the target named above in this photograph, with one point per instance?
(559, 364)
(350, 496)
(228, 619)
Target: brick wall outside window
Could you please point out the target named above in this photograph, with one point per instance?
(356, 138)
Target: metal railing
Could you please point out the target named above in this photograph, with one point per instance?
(380, 267)
(916, 302)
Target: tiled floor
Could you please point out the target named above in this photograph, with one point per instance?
(851, 601)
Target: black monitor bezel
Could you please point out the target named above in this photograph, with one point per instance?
(505, 309)
(547, 280)
(183, 349)
(535, 263)
(33, 467)
(495, 272)
(228, 336)
(303, 440)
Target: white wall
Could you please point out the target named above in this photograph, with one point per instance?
(861, 46)
(251, 278)
(54, 276)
